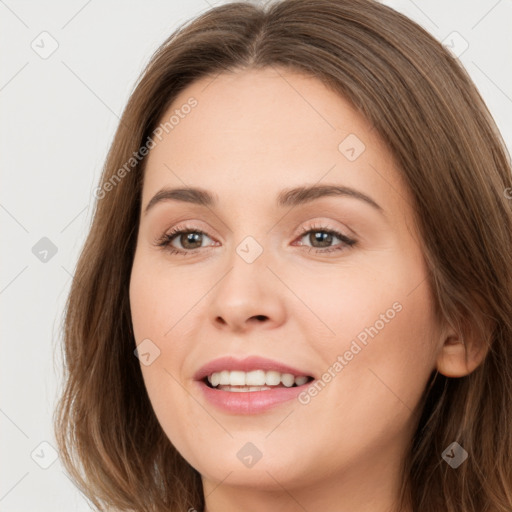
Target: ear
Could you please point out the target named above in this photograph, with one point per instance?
(459, 356)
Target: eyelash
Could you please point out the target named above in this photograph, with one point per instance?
(165, 240)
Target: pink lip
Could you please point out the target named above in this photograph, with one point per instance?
(246, 365)
(250, 402)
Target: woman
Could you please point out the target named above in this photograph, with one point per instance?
(296, 293)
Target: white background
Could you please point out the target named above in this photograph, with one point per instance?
(58, 117)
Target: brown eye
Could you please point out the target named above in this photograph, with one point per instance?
(322, 239)
(188, 239)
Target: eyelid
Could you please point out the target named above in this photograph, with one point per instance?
(168, 234)
(322, 224)
(164, 241)
(347, 239)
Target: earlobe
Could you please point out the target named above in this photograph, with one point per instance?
(458, 358)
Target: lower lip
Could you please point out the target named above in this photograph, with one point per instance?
(250, 402)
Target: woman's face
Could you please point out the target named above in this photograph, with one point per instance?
(329, 284)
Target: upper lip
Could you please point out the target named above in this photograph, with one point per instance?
(249, 363)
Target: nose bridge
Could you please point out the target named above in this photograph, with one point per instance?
(250, 239)
(248, 290)
(248, 272)
(250, 250)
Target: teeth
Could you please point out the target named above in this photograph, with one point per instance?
(244, 389)
(300, 380)
(237, 378)
(272, 378)
(254, 379)
(214, 379)
(287, 379)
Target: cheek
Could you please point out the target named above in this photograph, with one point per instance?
(376, 334)
(159, 302)
(152, 303)
(375, 372)
(159, 296)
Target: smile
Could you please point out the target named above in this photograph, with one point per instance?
(256, 380)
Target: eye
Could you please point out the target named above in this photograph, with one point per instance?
(190, 239)
(322, 237)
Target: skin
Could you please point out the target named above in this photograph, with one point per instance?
(252, 134)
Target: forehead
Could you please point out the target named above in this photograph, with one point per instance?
(253, 131)
(262, 111)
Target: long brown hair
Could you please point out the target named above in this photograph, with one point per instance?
(426, 109)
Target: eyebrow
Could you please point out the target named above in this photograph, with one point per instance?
(286, 198)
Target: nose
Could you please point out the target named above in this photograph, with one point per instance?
(248, 296)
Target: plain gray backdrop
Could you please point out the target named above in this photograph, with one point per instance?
(66, 73)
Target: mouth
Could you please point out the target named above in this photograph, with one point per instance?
(253, 381)
(251, 385)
